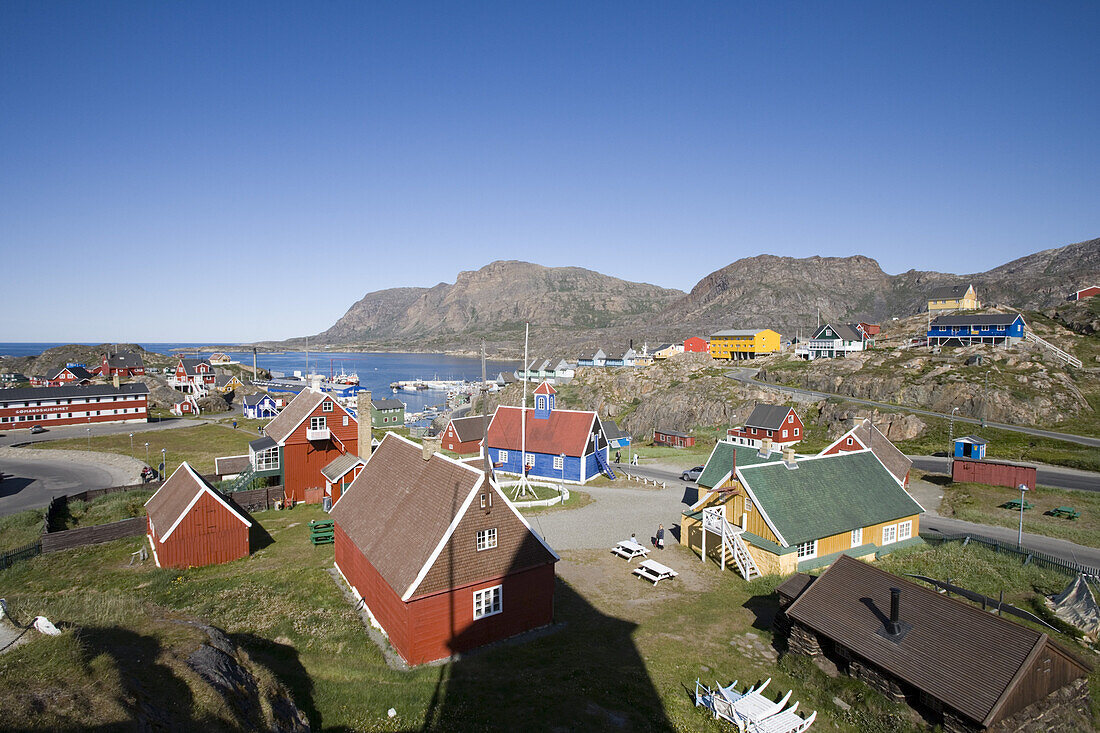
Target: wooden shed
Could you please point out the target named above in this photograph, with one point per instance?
(190, 523)
(993, 473)
(672, 438)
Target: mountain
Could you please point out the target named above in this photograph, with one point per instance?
(574, 308)
(498, 299)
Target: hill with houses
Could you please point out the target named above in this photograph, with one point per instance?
(573, 307)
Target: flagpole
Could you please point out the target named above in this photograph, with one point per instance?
(521, 489)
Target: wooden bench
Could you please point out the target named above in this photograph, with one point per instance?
(629, 549)
(653, 571)
(1065, 511)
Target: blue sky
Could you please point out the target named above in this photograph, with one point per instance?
(235, 171)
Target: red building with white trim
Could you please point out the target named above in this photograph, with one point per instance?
(463, 434)
(1089, 292)
(865, 436)
(193, 376)
(190, 523)
(66, 375)
(120, 364)
(24, 407)
(440, 558)
(696, 345)
(778, 423)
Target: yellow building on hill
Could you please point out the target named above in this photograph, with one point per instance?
(744, 343)
(953, 298)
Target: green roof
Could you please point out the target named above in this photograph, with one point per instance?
(721, 462)
(827, 495)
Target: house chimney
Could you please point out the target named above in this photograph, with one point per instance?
(431, 445)
(788, 458)
(315, 384)
(765, 447)
(362, 412)
(115, 381)
(893, 628)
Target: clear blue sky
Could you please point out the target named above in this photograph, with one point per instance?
(236, 171)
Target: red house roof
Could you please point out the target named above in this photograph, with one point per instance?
(545, 388)
(564, 431)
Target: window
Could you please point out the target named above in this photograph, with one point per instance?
(559, 463)
(318, 423)
(266, 460)
(905, 530)
(748, 506)
(849, 441)
(889, 534)
(529, 459)
(345, 421)
(795, 432)
(502, 456)
(326, 406)
(857, 537)
(486, 539)
(487, 602)
(790, 418)
(807, 550)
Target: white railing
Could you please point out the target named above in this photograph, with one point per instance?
(714, 520)
(317, 434)
(1063, 355)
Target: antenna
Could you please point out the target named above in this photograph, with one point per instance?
(486, 465)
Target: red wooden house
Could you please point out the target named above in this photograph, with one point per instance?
(871, 329)
(778, 423)
(311, 432)
(672, 438)
(696, 345)
(865, 436)
(193, 376)
(1089, 292)
(440, 558)
(120, 364)
(190, 523)
(463, 434)
(67, 375)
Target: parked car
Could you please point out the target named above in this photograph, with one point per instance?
(37, 429)
(692, 474)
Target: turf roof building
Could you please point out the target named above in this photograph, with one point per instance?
(967, 670)
(440, 558)
(190, 523)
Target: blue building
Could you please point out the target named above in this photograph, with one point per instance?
(988, 328)
(259, 406)
(561, 445)
(970, 447)
(597, 359)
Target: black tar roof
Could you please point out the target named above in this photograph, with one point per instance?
(986, 319)
(22, 394)
(769, 417)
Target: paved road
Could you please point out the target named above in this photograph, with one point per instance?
(1052, 476)
(748, 376)
(32, 484)
(24, 437)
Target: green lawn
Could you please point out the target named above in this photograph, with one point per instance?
(982, 504)
(18, 530)
(106, 508)
(624, 654)
(199, 445)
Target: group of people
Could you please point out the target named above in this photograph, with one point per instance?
(658, 539)
(633, 458)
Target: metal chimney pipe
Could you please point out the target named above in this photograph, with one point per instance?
(894, 627)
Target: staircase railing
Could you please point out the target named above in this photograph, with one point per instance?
(243, 481)
(1063, 355)
(605, 467)
(732, 543)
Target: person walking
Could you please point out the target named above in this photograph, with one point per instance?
(660, 536)
(616, 457)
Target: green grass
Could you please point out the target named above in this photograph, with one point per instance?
(106, 508)
(199, 445)
(982, 504)
(576, 500)
(23, 528)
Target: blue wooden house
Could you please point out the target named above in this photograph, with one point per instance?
(970, 447)
(598, 359)
(562, 445)
(986, 328)
(259, 406)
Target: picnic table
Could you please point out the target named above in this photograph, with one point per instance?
(654, 571)
(1065, 511)
(1015, 504)
(629, 549)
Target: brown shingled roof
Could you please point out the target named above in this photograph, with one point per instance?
(293, 414)
(896, 462)
(178, 494)
(402, 511)
(469, 428)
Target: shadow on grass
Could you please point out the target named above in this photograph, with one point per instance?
(283, 661)
(938, 479)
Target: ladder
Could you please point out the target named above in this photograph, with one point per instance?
(605, 468)
(733, 545)
(1063, 355)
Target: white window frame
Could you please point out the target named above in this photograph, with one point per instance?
(790, 418)
(326, 406)
(889, 534)
(488, 602)
(502, 456)
(806, 550)
(857, 537)
(267, 459)
(905, 530)
(486, 539)
(345, 421)
(529, 460)
(559, 463)
(318, 423)
(795, 432)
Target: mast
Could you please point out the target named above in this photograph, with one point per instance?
(486, 466)
(521, 489)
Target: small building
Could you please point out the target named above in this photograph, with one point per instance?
(387, 413)
(989, 328)
(953, 298)
(617, 438)
(664, 351)
(340, 474)
(191, 524)
(561, 445)
(833, 341)
(12, 378)
(970, 446)
(226, 383)
(187, 406)
(596, 359)
(1089, 292)
(193, 376)
(696, 345)
(230, 467)
(620, 358)
(506, 378)
(749, 343)
(24, 407)
(120, 364)
(260, 406)
(219, 358)
(993, 473)
(871, 329)
(865, 436)
(463, 434)
(437, 554)
(66, 375)
(964, 668)
(777, 423)
(672, 438)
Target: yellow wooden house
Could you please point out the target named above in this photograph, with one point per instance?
(744, 343)
(800, 513)
(953, 298)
